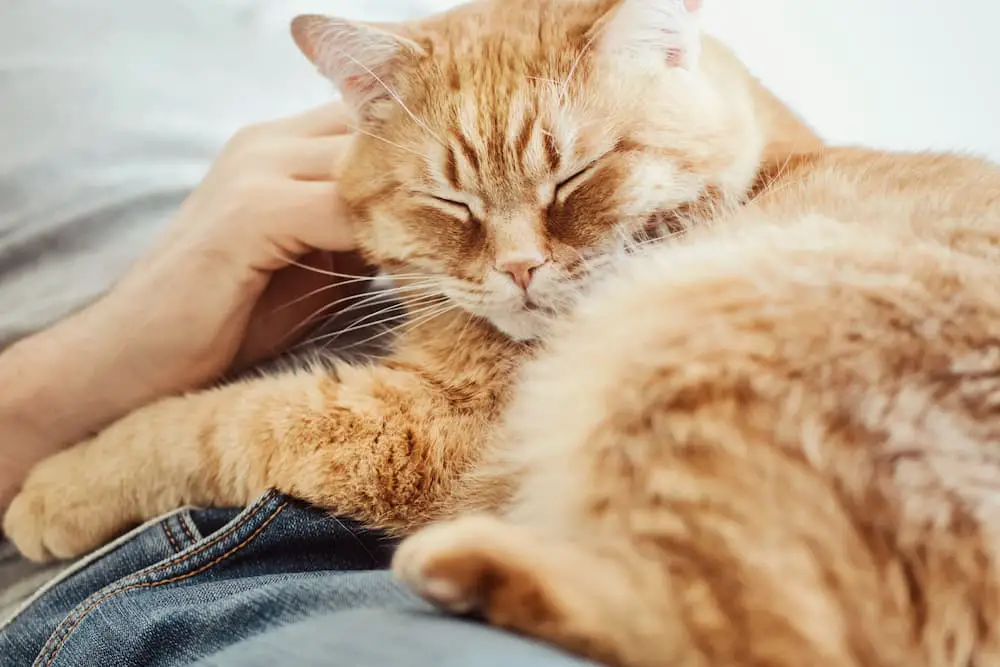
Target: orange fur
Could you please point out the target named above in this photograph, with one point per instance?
(769, 441)
(783, 447)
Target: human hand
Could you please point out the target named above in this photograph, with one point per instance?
(208, 298)
(270, 199)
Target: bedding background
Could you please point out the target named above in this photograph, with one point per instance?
(111, 111)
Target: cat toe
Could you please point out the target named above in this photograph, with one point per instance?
(56, 516)
(44, 531)
(450, 564)
(24, 526)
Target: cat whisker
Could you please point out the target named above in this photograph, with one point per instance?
(388, 295)
(393, 299)
(346, 276)
(404, 304)
(394, 95)
(576, 63)
(387, 291)
(377, 299)
(320, 290)
(399, 310)
(426, 317)
(386, 141)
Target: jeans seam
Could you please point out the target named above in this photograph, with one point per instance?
(170, 537)
(75, 567)
(49, 655)
(251, 514)
(184, 520)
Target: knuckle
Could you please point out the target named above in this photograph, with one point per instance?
(250, 135)
(255, 186)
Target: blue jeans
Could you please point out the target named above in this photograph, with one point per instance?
(277, 583)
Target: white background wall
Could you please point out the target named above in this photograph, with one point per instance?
(907, 74)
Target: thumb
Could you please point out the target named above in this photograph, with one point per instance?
(314, 217)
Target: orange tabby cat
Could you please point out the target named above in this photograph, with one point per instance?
(501, 156)
(772, 442)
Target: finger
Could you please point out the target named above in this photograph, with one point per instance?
(314, 159)
(281, 316)
(331, 118)
(297, 299)
(315, 217)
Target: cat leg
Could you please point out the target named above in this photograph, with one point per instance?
(581, 600)
(623, 608)
(374, 443)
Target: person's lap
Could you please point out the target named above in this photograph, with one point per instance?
(19, 578)
(278, 583)
(392, 634)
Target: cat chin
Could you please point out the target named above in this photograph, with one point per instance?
(521, 326)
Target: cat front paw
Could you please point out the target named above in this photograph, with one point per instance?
(62, 512)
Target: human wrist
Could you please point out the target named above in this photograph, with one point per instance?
(30, 428)
(58, 392)
(22, 408)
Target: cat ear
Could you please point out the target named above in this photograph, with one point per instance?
(364, 61)
(666, 29)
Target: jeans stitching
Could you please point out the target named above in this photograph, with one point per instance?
(251, 514)
(170, 538)
(50, 655)
(78, 566)
(183, 521)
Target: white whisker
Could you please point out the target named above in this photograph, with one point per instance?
(426, 317)
(404, 308)
(398, 294)
(388, 295)
(393, 94)
(386, 141)
(331, 337)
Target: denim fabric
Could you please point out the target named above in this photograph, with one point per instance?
(20, 578)
(189, 584)
(276, 584)
(392, 635)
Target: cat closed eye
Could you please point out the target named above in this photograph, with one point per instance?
(460, 209)
(565, 187)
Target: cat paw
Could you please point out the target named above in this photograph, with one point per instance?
(458, 565)
(57, 515)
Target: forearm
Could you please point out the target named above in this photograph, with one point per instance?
(22, 440)
(70, 381)
(56, 391)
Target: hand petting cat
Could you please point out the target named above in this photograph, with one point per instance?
(266, 228)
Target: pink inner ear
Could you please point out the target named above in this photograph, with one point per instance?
(692, 5)
(675, 57)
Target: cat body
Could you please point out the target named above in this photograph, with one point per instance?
(771, 440)
(780, 445)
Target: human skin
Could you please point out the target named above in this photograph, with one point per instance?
(246, 260)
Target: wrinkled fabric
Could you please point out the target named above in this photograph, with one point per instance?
(278, 583)
(112, 111)
(193, 582)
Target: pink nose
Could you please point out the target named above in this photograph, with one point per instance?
(521, 270)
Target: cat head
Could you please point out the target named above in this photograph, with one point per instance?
(506, 146)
